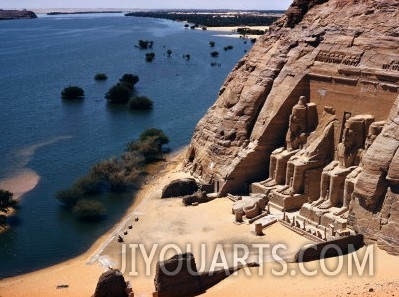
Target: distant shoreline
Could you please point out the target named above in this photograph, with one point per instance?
(84, 12)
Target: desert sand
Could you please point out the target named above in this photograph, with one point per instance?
(167, 221)
(231, 31)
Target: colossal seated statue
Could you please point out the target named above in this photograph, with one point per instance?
(350, 181)
(316, 153)
(340, 176)
(348, 156)
(301, 123)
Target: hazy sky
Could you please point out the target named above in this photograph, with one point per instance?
(206, 4)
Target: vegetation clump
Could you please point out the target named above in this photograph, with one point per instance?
(6, 204)
(214, 54)
(262, 18)
(89, 210)
(72, 93)
(100, 76)
(118, 94)
(129, 80)
(140, 103)
(149, 57)
(145, 44)
(113, 175)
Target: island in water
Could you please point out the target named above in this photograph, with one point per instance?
(17, 14)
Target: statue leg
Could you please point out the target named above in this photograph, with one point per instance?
(298, 179)
(324, 186)
(348, 190)
(272, 171)
(333, 197)
(280, 172)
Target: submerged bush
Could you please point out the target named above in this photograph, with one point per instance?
(113, 175)
(149, 56)
(100, 76)
(129, 80)
(89, 210)
(89, 185)
(72, 93)
(214, 53)
(69, 197)
(140, 103)
(118, 94)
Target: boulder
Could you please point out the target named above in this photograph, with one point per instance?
(111, 284)
(177, 277)
(180, 187)
(197, 197)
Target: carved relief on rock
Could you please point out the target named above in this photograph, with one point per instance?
(338, 58)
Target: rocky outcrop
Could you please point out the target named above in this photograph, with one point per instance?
(340, 54)
(180, 187)
(177, 276)
(375, 208)
(111, 284)
(16, 14)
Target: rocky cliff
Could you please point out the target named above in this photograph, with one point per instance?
(16, 14)
(341, 54)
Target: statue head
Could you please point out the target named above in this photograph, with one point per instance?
(374, 130)
(299, 115)
(293, 124)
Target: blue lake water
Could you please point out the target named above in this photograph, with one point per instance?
(59, 141)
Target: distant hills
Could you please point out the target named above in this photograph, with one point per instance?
(16, 14)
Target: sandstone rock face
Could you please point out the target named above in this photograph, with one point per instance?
(111, 284)
(341, 54)
(375, 209)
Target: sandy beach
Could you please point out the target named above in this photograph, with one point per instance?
(167, 221)
(231, 31)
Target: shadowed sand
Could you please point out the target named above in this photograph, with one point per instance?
(167, 221)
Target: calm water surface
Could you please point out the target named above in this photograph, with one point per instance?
(59, 141)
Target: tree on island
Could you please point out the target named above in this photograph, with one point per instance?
(6, 202)
(169, 52)
(140, 103)
(100, 76)
(72, 93)
(118, 94)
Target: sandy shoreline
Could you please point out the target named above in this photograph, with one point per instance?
(231, 31)
(166, 221)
